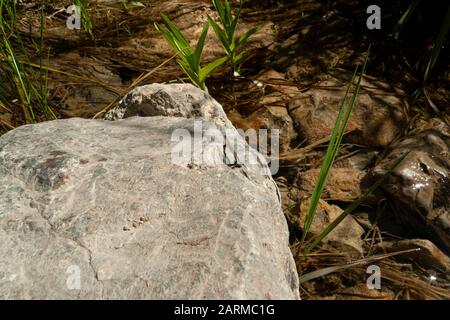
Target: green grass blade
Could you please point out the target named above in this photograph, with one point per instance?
(232, 29)
(240, 57)
(85, 20)
(438, 44)
(333, 146)
(175, 32)
(220, 9)
(169, 38)
(221, 35)
(353, 206)
(191, 74)
(200, 44)
(244, 37)
(179, 43)
(16, 69)
(353, 101)
(326, 166)
(404, 18)
(228, 15)
(206, 71)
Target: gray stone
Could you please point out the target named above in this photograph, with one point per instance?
(346, 236)
(172, 100)
(103, 199)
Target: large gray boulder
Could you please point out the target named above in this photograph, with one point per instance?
(94, 209)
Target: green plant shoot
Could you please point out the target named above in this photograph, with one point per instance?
(189, 58)
(226, 32)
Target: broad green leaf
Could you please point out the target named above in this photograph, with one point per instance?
(220, 9)
(200, 45)
(175, 32)
(206, 71)
(232, 29)
(221, 35)
(244, 37)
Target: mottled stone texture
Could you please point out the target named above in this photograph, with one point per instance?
(171, 100)
(105, 197)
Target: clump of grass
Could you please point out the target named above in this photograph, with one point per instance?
(8, 18)
(345, 111)
(189, 58)
(13, 70)
(19, 86)
(226, 33)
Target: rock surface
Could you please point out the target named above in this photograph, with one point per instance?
(171, 100)
(420, 182)
(103, 200)
(376, 120)
(346, 235)
(343, 184)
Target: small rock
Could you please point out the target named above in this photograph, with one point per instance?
(343, 184)
(348, 233)
(171, 100)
